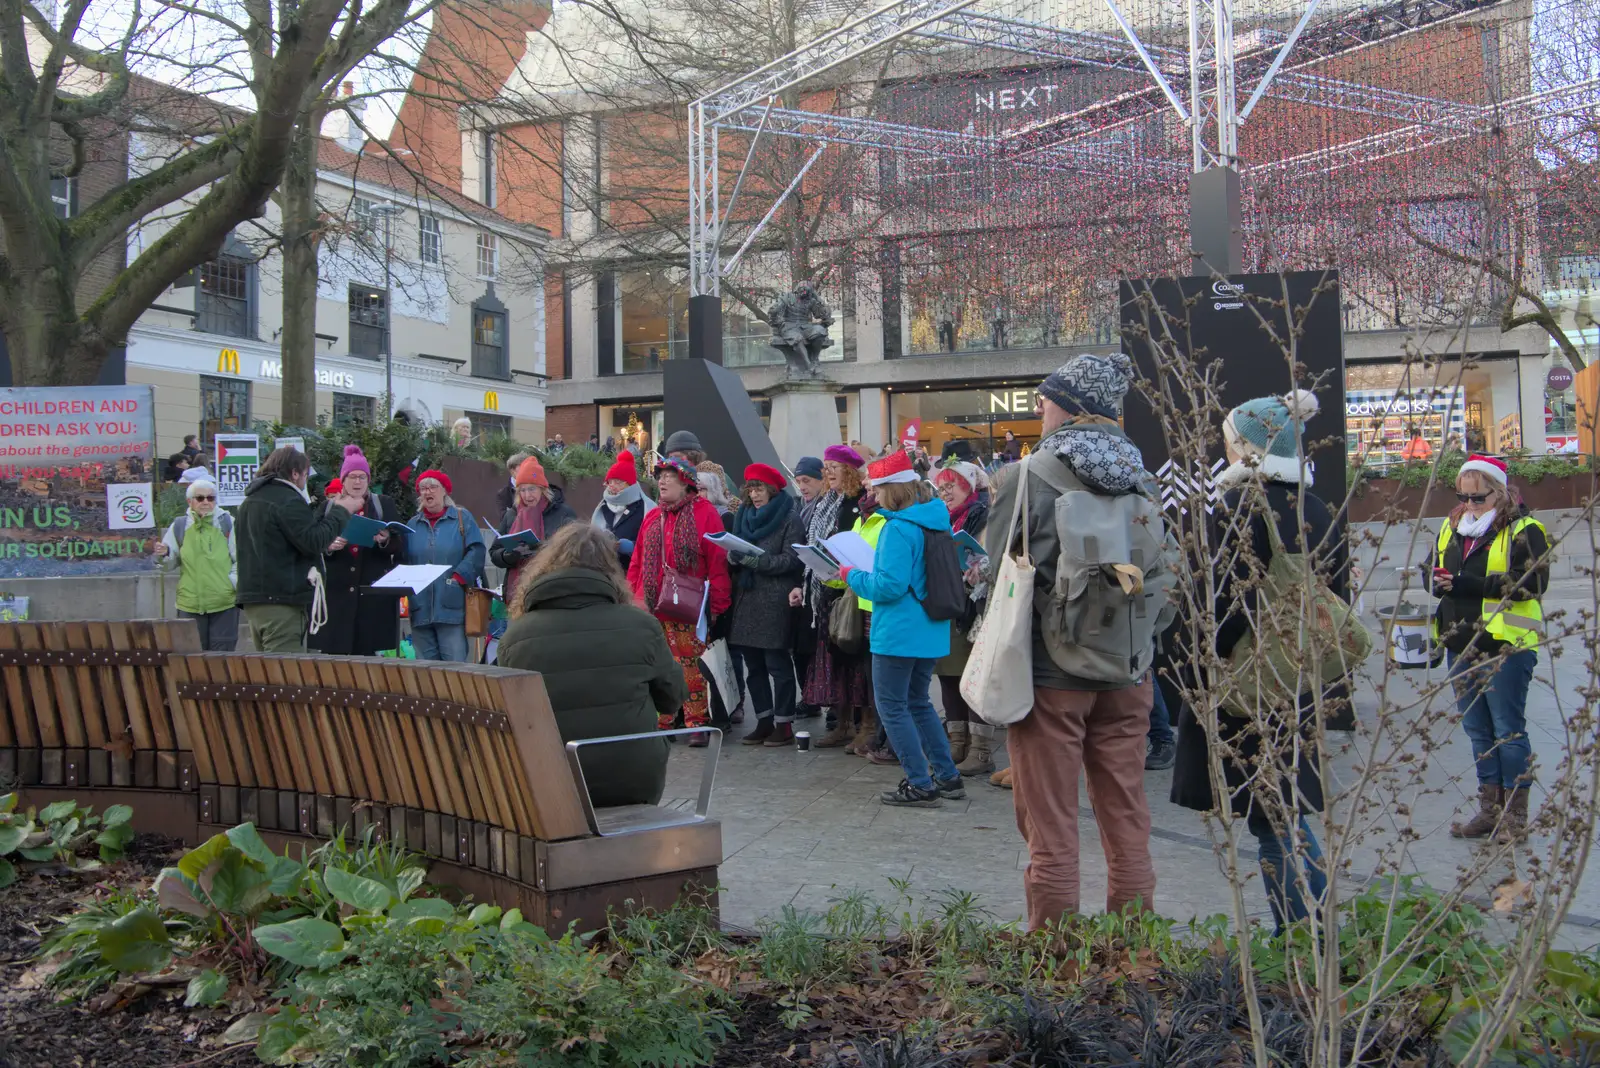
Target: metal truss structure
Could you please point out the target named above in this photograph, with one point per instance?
(1203, 84)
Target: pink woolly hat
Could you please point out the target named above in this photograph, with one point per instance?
(354, 460)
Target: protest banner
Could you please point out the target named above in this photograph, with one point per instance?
(238, 456)
(76, 474)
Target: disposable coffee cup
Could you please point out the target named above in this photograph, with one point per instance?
(802, 740)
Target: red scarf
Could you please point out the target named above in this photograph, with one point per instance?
(527, 519)
(685, 557)
(958, 514)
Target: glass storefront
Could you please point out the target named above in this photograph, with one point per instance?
(633, 426)
(980, 416)
(1476, 407)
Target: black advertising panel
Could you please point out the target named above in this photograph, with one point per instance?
(1236, 329)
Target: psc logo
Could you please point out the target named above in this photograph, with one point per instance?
(134, 512)
(228, 361)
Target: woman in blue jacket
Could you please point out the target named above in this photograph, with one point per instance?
(441, 533)
(906, 644)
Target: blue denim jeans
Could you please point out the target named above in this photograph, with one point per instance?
(1492, 694)
(442, 641)
(1281, 867)
(1160, 722)
(900, 687)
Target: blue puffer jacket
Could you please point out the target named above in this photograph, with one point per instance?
(899, 581)
(453, 540)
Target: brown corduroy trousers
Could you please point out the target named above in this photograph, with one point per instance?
(1101, 733)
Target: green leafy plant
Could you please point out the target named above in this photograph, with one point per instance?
(420, 982)
(58, 833)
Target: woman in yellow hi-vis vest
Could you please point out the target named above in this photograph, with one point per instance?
(1490, 567)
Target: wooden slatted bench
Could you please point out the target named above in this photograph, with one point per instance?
(463, 763)
(88, 713)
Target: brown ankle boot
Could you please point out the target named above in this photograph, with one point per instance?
(865, 735)
(1514, 828)
(841, 734)
(959, 739)
(1483, 824)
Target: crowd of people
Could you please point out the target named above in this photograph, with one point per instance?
(697, 607)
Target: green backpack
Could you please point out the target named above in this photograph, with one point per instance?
(1301, 640)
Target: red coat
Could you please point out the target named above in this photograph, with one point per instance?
(713, 560)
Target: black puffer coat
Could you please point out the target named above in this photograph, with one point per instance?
(1191, 775)
(760, 618)
(607, 671)
(362, 621)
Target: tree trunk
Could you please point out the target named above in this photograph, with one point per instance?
(47, 343)
(301, 236)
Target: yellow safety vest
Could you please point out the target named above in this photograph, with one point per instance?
(1517, 622)
(870, 532)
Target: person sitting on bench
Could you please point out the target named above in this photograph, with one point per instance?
(606, 664)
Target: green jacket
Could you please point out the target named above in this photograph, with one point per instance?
(206, 556)
(281, 537)
(607, 670)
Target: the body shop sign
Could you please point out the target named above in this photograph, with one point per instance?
(76, 477)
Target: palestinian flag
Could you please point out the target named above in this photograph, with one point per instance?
(237, 453)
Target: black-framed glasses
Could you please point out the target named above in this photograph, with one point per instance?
(1472, 498)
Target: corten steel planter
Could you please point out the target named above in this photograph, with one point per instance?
(1378, 499)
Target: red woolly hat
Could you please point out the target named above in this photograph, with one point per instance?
(624, 469)
(768, 474)
(439, 476)
(334, 488)
(1488, 466)
(896, 467)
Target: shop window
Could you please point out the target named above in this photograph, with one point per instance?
(486, 426)
(222, 297)
(369, 321)
(980, 417)
(351, 408)
(430, 239)
(653, 317)
(224, 408)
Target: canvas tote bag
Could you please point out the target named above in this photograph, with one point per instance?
(998, 680)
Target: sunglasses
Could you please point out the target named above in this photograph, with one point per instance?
(199, 497)
(1473, 498)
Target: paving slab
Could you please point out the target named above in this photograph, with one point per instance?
(804, 829)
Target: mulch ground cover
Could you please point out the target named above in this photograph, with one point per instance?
(127, 1027)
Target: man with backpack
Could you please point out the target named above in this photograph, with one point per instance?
(1105, 570)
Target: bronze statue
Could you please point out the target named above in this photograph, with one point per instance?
(795, 334)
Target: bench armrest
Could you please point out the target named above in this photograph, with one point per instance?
(702, 803)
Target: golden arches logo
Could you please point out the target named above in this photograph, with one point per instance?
(228, 361)
(491, 401)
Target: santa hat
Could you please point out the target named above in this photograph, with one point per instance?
(624, 469)
(354, 460)
(531, 473)
(896, 467)
(1488, 466)
(768, 474)
(438, 476)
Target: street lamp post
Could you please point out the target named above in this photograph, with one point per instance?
(388, 211)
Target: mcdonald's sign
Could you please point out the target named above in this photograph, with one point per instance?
(228, 361)
(491, 401)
